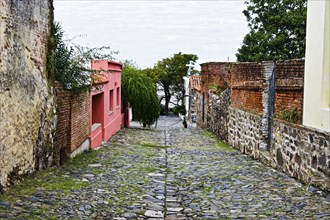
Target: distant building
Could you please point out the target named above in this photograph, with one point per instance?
(317, 73)
(105, 101)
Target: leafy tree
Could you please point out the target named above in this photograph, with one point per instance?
(168, 73)
(277, 30)
(139, 91)
(72, 62)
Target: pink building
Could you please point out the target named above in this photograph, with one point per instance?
(105, 103)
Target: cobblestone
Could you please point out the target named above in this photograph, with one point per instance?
(167, 172)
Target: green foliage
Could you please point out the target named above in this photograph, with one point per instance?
(140, 92)
(277, 30)
(50, 66)
(291, 115)
(180, 109)
(168, 73)
(72, 62)
(217, 89)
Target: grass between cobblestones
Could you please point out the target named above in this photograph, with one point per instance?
(52, 179)
(220, 144)
(44, 181)
(155, 146)
(121, 182)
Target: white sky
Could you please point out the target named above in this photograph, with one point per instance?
(147, 31)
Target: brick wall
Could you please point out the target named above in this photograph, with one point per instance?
(247, 99)
(246, 85)
(63, 119)
(218, 73)
(212, 73)
(80, 113)
(73, 119)
(249, 86)
(289, 85)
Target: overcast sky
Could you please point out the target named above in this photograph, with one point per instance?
(147, 31)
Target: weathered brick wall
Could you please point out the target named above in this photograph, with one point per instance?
(247, 99)
(80, 118)
(246, 86)
(27, 106)
(63, 125)
(73, 119)
(289, 86)
(212, 73)
(218, 73)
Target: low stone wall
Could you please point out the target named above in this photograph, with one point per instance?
(301, 152)
(200, 119)
(218, 115)
(244, 131)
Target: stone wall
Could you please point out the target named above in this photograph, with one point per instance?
(200, 119)
(27, 105)
(301, 152)
(244, 131)
(251, 127)
(218, 115)
(73, 120)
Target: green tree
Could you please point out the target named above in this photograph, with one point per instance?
(139, 91)
(277, 30)
(72, 62)
(168, 73)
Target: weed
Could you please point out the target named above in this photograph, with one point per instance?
(216, 89)
(291, 115)
(219, 144)
(155, 146)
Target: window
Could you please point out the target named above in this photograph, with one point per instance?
(111, 101)
(118, 96)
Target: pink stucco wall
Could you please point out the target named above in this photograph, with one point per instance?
(105, 102)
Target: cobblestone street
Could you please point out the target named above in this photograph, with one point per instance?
(167, 172)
